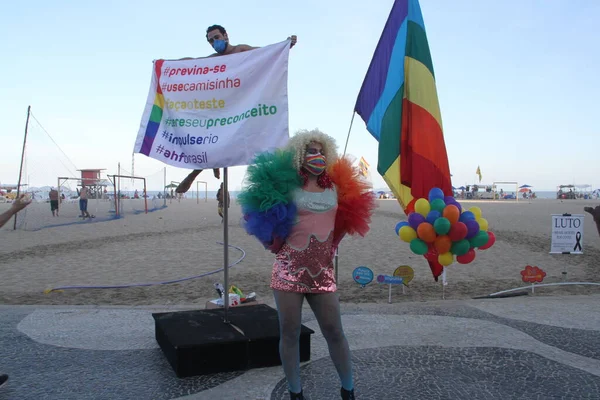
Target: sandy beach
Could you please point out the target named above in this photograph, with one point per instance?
(181, 241)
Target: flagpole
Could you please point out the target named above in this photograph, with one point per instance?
(22, 158)
(349, 129)
(345, 148)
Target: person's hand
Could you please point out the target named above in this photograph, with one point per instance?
(217, 173)
(294, 39)
(21, 202)
(594, 211)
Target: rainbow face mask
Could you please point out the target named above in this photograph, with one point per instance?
(315, 163)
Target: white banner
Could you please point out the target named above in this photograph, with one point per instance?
(567, 234)
(216, 112)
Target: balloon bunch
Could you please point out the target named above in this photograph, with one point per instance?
(440, 229)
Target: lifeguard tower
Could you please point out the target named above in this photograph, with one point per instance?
(93, 181)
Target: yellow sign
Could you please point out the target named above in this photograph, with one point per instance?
(406, 273)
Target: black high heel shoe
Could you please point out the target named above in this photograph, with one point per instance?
(347, 394)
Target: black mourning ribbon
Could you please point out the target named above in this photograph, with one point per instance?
(578, 241)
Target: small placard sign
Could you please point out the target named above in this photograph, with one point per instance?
(362, 275)
(390, 280)
(567, 234)
(406, 273)
(533, 274)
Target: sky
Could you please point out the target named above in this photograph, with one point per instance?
(517, 80)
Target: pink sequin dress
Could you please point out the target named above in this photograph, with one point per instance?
(304, 264)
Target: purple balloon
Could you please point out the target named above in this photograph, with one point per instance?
(457, 204)
(415, 219)
(449, 200)
(472, 228)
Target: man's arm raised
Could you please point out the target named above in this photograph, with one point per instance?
(185, 185)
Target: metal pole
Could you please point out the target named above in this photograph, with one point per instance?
(165, 189)
(225, 244)
(22, 159)
(345, 148)
(145, 197)
(58, 190)
(349, 129)
(115, 191)
(119, 190)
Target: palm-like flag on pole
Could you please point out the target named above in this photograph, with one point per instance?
(398, 102)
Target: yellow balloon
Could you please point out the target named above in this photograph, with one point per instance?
(407, 234)
(476, 211)
(446, 259)
(422, 207)
(483, 224)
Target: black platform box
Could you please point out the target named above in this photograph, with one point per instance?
(199, 342)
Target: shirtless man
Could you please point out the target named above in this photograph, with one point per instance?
(83, 201)
(217, 36)
(53, 195)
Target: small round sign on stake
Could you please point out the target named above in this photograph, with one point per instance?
(362, 275)
(406, 273)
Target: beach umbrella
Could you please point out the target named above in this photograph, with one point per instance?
(170, 186)
(524, 186)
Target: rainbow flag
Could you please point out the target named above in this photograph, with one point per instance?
(363, 167)
(399, 104)
(157, 111)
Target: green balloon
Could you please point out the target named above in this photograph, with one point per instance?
(438, 205)
(480, 239)
(441, 226)
(418, 246)
(460, 248)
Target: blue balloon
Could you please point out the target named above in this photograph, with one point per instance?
(467, 216)
(400, 225)
(436, 193)
(432, 216)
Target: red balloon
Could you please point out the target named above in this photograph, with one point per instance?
(410, 207)
(490, 242)
(466, 258)
(458, 231)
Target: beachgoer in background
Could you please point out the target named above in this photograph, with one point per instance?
(53, 195)
(17, 205)
(83, 201)
(220, 198)
(596, 214)
(217, 37)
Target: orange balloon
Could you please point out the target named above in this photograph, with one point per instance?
(425, 232)
(443, 244)
(451, 213)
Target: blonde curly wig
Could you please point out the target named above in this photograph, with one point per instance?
(302, 138)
